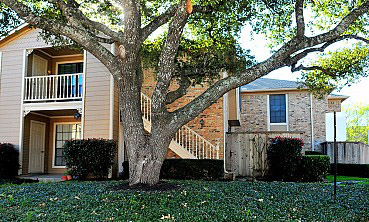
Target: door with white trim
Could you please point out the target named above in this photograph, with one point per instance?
(37, 147)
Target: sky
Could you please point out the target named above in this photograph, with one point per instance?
(359, 92)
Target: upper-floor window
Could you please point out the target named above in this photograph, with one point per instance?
(70, 68)
(277, 107)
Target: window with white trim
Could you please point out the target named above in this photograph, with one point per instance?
(64, 132)
(277, 108)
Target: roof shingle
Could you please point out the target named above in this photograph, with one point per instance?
(266, 83)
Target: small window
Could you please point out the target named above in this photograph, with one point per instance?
(70, 68)
(277, 107)
(63, 133)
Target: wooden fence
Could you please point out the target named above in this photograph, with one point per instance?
(246, 151)
(348, 152)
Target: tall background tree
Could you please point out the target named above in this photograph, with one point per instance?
(206, 33)
(357, 120)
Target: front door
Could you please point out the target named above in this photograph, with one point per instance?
(39, 66)
(37, 147)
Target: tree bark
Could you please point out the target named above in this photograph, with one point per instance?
(144, 167)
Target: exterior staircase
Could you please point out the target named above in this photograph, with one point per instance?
(186, 143)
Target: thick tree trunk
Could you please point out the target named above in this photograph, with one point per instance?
(146, 151)
(145, 162)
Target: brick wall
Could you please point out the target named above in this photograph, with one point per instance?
(299, 117)
(320, 107)
(212, 130)
(254, 114)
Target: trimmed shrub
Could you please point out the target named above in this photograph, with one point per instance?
(90, 156)
(313, 153)
(284, 158)
(9, 157)
(187, 169)
(354, 170)
(314, 168)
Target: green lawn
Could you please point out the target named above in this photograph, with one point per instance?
(347, 178)
(195, 201)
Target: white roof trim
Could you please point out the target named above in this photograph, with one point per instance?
(271, 90)
(343, 98)
(15, 30)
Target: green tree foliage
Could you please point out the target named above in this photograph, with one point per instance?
(357, 122)
(211, 42)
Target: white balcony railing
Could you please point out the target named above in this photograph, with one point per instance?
(53, 88)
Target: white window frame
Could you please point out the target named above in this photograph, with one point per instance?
(238, 104)
(54, 137)
(268, 111)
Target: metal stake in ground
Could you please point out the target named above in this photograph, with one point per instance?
(335, 157)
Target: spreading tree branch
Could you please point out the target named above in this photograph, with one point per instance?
(158, 22)
(77, 18)
(299, 14)
(293, 60)
(184, 83)
(80, 36)
(166, 17)
(277, 60)
(166, 66)
(312, 68)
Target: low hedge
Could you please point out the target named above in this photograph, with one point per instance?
(355, 170)
(9, 157)
(314, 168)
(308, 152)
(90, 157)
(187, 169)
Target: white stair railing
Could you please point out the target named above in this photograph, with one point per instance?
(187, 138)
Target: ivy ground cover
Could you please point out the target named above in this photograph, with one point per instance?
(193, 201)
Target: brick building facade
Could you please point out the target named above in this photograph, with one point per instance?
(304, 112)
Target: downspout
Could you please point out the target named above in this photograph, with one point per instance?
(111, 102)
(111, 111)
(21, 124)
(312, 122)
(84, 94)
(225, 126)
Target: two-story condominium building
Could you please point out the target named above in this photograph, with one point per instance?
(48, 96)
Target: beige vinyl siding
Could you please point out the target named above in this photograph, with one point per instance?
(116, 114)
(97, 99)
(1, 55)
(26, 40)
(10, 96)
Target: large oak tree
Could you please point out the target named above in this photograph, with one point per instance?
(199, 40)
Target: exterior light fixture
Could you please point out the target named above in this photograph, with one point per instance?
(77, 116)
(202, 123)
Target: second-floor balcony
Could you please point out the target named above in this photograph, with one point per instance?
(53, 88)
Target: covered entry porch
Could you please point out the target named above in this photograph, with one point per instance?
(44, 135)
